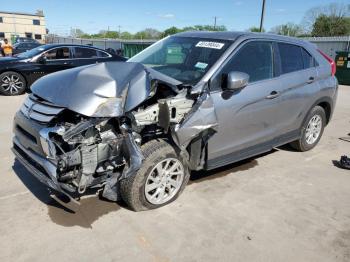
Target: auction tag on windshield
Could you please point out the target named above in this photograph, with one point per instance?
(214, 45)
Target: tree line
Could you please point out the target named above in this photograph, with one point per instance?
(148, 33)
(329, 20)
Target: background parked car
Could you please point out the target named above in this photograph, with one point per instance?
(25, 40)
(23, 47)
(19, 72)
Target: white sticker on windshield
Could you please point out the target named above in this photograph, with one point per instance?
(201, 65)
(214, 45)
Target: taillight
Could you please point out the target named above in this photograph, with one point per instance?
(330, 60)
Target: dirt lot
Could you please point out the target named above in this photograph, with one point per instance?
(282, 206)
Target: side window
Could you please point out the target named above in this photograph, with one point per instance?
(291, 58)
(254, 59)
(102, 54)
(58, 53)
(81, 52)
(308, 60)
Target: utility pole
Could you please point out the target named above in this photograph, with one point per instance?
(215, 23)
(119, 31)
(262, 16)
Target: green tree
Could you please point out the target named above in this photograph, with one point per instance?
(331, 26)
(171, 31)
(255, 29)
(289, 29)
(76, 32)
(126, 35)
(111, 34)
(334, 10)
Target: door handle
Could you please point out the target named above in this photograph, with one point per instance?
(273, 95)
(310, 80)
(67, 63)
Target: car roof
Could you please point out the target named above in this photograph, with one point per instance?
(213, 35)
(234, 35)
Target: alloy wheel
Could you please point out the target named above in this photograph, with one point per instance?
(12, 84)
(313, 129)
(164, 181)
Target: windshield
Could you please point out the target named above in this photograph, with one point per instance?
(186, 59)
(33, 52)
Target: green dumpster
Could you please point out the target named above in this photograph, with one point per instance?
(131, 49)
(342, 61)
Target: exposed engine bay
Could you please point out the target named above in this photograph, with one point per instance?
(98, 148)
(90, 151)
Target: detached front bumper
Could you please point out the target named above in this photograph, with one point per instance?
(42, 169)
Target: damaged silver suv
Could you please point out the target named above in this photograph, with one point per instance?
(196, 100)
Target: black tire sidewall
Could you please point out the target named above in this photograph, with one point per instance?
(133, 188)
(19, 76)
(317, 110)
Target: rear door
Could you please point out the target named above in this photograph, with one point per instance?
(297, 84)
(85, 56)
(247, 122)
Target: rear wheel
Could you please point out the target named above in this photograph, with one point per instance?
(160, 180)
(12, 83)
(312, 130)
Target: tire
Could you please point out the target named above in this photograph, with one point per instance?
(156, 154)
(12, 84)
(305, 143)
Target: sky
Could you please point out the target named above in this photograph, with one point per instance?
(135, 15)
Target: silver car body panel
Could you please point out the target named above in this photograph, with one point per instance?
(220, 126)
(101, 90)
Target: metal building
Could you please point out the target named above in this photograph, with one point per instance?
(15, 24)
(330, 45)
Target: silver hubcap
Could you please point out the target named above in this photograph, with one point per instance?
(11, 84)
(164, 181)
(313, 129)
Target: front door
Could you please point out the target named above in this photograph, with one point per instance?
(246, 119)
(56, 59)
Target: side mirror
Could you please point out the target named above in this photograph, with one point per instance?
(237, 80)
(41, 60)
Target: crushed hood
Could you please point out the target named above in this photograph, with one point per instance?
(101, 90)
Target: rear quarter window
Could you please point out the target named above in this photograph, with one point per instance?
(308, 60)
(81, 52)
(101, 54)
(291, 58)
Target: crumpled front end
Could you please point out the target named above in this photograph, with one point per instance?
(72, 152)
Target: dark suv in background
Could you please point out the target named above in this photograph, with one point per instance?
(19, 72)
(192, 101)
(23, 47)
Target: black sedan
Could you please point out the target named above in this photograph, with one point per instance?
(19, 72)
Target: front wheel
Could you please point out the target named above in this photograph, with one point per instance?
(12, 83)
(159, 181)
(312, 130)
